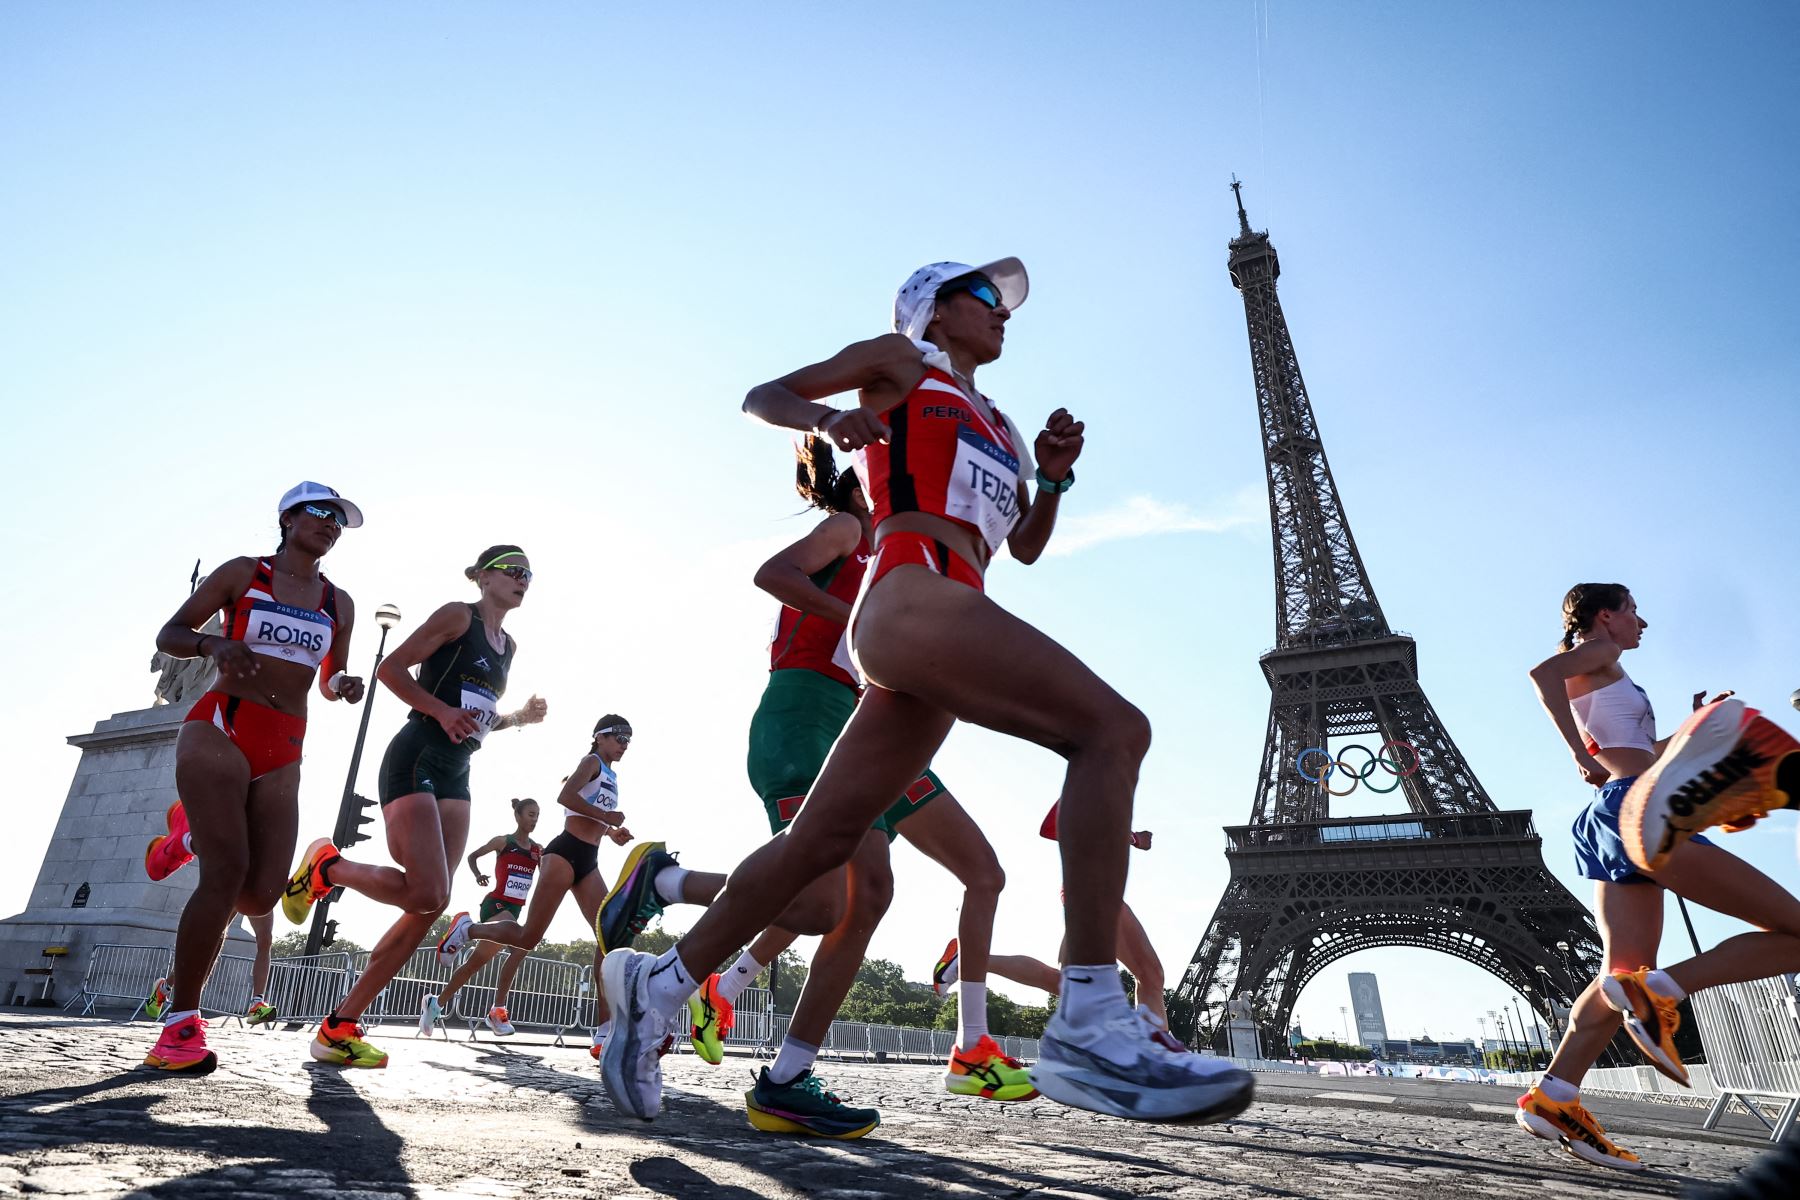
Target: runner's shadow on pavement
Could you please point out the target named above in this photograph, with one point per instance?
(672, 1177)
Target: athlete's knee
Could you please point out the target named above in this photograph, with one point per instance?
(257, 899)
(224, 872)
(1125, 730)
(872, 889)
(988, 879)
(425, 896)
(821, 847)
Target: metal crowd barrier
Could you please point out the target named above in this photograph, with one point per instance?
(227, 990)
(307, 987)
(547, 993)
(122, 973)
(1751, 1032)
(417, 977)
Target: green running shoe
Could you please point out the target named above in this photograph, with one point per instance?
(804, 1106)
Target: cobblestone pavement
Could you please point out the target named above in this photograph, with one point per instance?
(79, 1117)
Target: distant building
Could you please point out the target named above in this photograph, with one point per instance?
(1365, 1001)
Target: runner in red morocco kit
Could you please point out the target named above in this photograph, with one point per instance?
(947, 473)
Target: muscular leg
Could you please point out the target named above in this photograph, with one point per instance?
(515, 958)
(263, 927)
(425, 836)
(945, 833)
(1022, 968)
(840, 953)
(213, 780)
(482, 956)
(555, 876)
(1727, 884)
(1630, 917)
(1139, 957)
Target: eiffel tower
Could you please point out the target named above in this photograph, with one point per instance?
(1453, 873)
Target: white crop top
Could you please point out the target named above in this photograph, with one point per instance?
(602, 791)
(1616, 717)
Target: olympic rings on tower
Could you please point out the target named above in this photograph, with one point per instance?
(1360, 774)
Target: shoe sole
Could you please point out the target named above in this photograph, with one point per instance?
(1010, 1093)
(698, 1011)
(768, 1122)
(295, 908)
(619, 973)
(331, 1058)
(1703, 739)
(1536, 1126)
(203, 1066)
(1621, 1002)
(446, 954)
(1199, 1104)
(626, 882)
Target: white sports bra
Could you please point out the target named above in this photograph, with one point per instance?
(1616, 717)
(602, 791)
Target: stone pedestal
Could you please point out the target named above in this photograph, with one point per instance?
(123, 786)
(1241, 1037)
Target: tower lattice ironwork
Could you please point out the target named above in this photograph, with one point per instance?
(1454, 873)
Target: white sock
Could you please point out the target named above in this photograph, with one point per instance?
(255, 1000)
(794, 1058)
(187, 841)
(1559, 1090)
(1091, 994)
(670, 983)
(668, 884)
(971, 1012)
(603, 1032)
(172, 1018)
(1660, 983)
(739, 976)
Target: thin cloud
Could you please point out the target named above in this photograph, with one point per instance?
(1146, 516)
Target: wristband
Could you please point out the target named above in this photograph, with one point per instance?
(200, 645)
(333, 682)
(1052, 486)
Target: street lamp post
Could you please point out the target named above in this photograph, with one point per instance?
(387, 616)
(1524, 1037)
(1345, 1013)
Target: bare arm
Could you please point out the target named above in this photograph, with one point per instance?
(883, 370)
(787, 576)
(1551, 677)
(1057, 447)
(570, 796)
(441, 628)
(179, 636)
(338, 659)
(491, 846)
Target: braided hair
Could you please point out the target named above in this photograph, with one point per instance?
(1586, 601)
(817, 478)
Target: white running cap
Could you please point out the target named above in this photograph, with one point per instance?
(916, 301)
(310, 493)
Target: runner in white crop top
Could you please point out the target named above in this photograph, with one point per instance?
(1616, 717)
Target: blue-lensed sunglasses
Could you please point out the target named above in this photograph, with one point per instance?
(324, 514)
(981, 289)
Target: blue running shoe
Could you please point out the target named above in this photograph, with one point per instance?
(1114, 1066)
(631, 1060)
(802, 1105)
(633, 903)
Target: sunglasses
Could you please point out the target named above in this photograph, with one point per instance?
(624, 739)
(522, 574)
(324, 514)
(981, 289)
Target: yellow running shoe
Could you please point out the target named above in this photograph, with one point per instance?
(158, 999)
(1650, 1018)
(341, 1044)
(261, 1012)
(1575, 1127)
(307, 883)
(986, 1071)
(710, 1018)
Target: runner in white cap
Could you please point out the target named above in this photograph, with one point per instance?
(237, 761)
(946, 477)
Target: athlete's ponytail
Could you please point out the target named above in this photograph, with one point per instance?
(486, 558)
(817, 478)
(1586, 601)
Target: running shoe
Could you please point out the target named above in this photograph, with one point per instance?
(431, 1012)
(631, 1062)
(1112, 1066)
(710, 1018)
(307, 883)
(600, 1036)
(988, 1072)
(157, 1002)
(341, 1044)
(182, 1047)
(454, 939)
(260, 1012)
(802, 1105)
(948, 969)
(1575, 1127)
(496, 1021)
(1158, 1032)
(168, 853)
(1720, 769)
(1650, 1018)
(633, 901)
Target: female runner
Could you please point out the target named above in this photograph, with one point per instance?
(237, 760)
(463, 656)
(1606, 721)
(946, 476)
(516, 859)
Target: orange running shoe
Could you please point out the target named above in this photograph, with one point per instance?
(985, 1070)
(498, 1022)
(182, 1047)
(157, 1002)
(1650, 1018)
(710, 1018)
(1575, 1127)
(307, 883)
(168, 853)
(945, 974)
(1720, 768)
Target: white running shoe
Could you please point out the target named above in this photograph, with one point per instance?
(430, 1014)
(1158, 1032)
(454, 939)
(631, 1062)
(496, 1021)
(1114, 1067)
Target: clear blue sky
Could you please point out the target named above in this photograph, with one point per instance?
(503, 273)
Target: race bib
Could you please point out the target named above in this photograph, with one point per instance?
(984, 487)
(518, 884)
(283, 631)
(483, 705)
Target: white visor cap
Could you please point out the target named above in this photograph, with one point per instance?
(317, 493)
(916, 301)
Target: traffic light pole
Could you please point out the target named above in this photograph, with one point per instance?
(349, 809)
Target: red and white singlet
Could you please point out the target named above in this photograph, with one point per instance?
(267, 626)
(806, 642)
(513, 868)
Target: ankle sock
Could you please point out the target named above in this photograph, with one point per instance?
(668, 884)
(187, 841)
(184, 1014)
(971, 1012)
(670, 982)
(738, 976)
(1091, 993)
(794, 1059)
(1660, 983)
(1559, 1090)
(604, 1031)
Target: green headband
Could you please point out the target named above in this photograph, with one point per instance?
(496, 560)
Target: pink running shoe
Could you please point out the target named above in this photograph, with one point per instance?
(169, 853)
(182, 1047)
